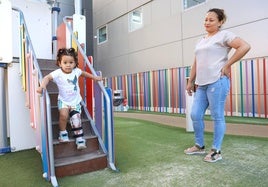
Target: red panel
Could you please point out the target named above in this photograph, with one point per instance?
(81, 79)
(61, 36)
(89, 91)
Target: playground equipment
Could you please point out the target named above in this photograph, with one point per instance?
(40, 107)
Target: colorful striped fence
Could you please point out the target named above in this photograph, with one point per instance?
(164, 90)
(248, 94)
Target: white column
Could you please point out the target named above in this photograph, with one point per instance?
(78, 7)
(3, 121)
(5, 57)
(189, 102)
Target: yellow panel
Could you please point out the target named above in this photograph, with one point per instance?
(74, 45)
(23, 75)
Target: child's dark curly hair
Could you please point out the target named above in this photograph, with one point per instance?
(67, 52)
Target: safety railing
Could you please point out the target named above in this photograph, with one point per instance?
(29, 65)
(108, 103)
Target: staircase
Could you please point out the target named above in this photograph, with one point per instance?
(69, 160)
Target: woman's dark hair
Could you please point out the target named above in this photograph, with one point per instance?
(220, 13)
(67, 52)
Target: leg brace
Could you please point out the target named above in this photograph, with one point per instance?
(75, 120)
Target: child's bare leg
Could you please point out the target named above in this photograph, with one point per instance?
(63, 118)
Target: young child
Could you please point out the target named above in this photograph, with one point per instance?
(69, 98)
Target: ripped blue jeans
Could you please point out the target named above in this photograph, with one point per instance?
(212, 96)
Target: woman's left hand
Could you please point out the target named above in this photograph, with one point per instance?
(226, 71)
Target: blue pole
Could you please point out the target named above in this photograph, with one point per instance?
(3, 121)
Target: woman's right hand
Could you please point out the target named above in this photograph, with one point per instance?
(190, 88)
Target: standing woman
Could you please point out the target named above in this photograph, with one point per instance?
(210, 73)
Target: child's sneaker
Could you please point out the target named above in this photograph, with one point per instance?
(195, 150)
(81, 144)
(63, 137)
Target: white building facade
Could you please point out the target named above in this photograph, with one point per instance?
(137, 36)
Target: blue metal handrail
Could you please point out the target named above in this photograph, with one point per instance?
(94, 127)
(49, 173)
(106, 96)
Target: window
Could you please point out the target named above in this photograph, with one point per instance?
(102, 34)
(135, 20)
(191, 3)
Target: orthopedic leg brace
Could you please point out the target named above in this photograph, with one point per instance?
(75, 120)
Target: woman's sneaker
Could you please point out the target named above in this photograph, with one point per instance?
(195, 150)
(81, 144)
(63, 137)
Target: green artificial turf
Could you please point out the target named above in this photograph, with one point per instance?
(150, 154)
(21, 168)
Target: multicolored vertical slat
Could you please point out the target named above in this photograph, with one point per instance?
(248, 94)
(164, 90)
(158, 91)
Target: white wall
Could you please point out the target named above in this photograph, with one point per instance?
(247, 19)
(22, 135)
(107, 10)
(169, 35)
(38, 19)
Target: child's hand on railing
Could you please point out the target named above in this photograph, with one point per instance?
(98, 78)
(39, 90)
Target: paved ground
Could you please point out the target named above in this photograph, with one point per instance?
(235, 129)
